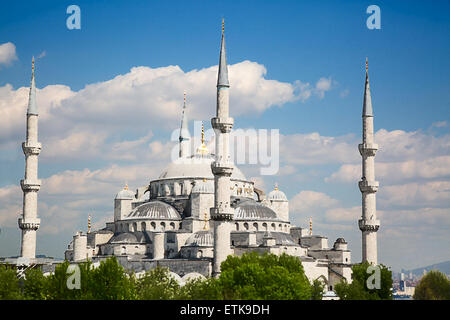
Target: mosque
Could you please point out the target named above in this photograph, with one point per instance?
(202, 208)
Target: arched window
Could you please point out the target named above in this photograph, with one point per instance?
(255, 226)
(172, 226)
(246, 226)
(264, 226)
(163, 226)
(237, 226)
(153, 224)
(134, 227)
(273, 226)
(143, 226)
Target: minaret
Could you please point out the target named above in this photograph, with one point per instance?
(368, 224)
(222, 167)
(184, 133)
(29, 221)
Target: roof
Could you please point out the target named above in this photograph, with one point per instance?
(125, 194)
(276, 195)
(203, 187)
(32, 107)
(367, 104)
(154, 210)
(222, 78)
(203, 238)
(252, 210)
(131, 237)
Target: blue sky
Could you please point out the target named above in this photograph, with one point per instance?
(293, 40)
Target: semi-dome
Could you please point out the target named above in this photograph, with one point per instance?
(203, 238)
(276, 195)
(131, 237)
(203, 187)
(155, 210)
(252, 210)
(126, 237)
(195, 167)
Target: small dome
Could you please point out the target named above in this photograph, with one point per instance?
(340, 240)
(203, 187)
(125, 194)
(202, 238)
(125, 237)
(155, 210)
(276, 195)
(252, 210)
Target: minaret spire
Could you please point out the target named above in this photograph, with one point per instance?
(28, 221)
(222, 79)
(368, 224)
(184, 132)
(222, 167)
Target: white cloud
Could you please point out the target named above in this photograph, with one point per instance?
(312, 148)
(323, 85)
(308, 201)
(7, 53)
(351, 214)
(416, 195)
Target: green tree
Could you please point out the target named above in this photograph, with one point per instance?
(157, 284)
(201, 289)
(433, 286)
(253, 276)
(9, 284)
(35, 285)
(110, 282)
(358, 289)
(317, 288)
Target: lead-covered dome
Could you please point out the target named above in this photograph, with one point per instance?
(276, 195)
(125, 194)
(195, 167)
(155, 210)
(252, 210)
(203, 238)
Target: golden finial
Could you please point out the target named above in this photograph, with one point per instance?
(202, 149)
(223, 25)
(310, 226)
(89, 224)
(206, 222)
(367, 64)
(276, 186)
(126, 187)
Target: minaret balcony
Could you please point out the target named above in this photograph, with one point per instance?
(29, 224)
(224, 168)
(30, 185)
(368, 149)
(222, 124)
(31, 148)
(221, 214)
(368, 186)
(368, 225)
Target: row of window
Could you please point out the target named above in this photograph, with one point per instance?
(261, 227)
(145, 226)
(162, 226)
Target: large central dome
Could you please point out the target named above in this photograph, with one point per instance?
(195, 167)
